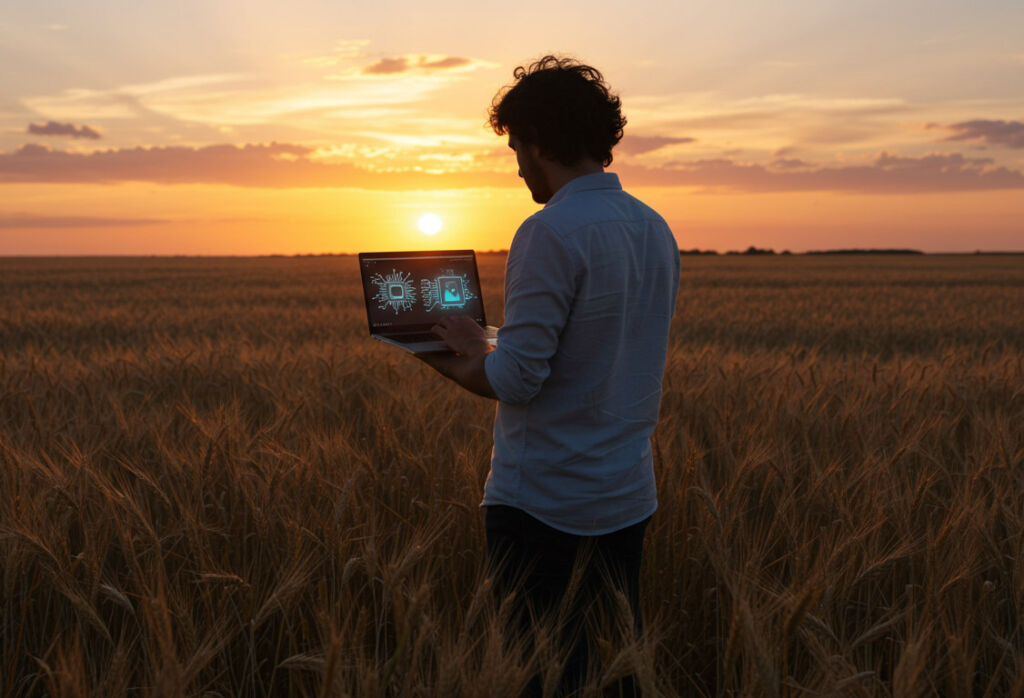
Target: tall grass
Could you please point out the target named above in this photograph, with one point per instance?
(213, 483)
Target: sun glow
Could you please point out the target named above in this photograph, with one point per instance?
(429, 224)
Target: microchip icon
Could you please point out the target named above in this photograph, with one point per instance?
(396, 291)
(452, 295)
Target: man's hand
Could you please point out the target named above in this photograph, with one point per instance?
(462, 334)
(466, 368)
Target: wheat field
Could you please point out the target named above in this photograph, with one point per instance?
(213, 483)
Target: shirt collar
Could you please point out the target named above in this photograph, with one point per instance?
(597, 180)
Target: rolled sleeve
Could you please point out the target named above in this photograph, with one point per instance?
(540, 284)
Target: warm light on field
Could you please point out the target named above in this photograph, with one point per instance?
(429, 224)
(264, 488)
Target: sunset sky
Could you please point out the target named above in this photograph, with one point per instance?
(224, 127)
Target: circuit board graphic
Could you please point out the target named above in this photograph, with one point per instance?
(394, 291)
(446, 291)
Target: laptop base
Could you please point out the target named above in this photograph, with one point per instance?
(433, 345)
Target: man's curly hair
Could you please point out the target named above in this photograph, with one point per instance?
(563, 107)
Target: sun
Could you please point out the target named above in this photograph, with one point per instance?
(429, 224)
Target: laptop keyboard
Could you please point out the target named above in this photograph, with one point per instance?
(416, 337)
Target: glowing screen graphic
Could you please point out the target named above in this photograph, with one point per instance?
(416, 290)
(394, 291)
(446, 292)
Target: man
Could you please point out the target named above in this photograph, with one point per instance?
(590, 288)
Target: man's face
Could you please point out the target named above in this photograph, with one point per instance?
(531, 170)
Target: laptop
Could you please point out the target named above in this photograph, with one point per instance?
(408, 292)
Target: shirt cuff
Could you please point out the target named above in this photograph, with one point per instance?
(502, 374)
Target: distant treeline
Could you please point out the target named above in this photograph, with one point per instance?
(866, 251)
(749, 251)
(760, 251)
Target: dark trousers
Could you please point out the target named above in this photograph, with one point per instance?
(538, 562)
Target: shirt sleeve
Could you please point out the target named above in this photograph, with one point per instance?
(540, 284)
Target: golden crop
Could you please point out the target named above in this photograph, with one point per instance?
(213, 483)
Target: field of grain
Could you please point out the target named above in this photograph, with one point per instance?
(213, 483)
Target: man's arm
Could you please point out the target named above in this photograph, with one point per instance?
(467, 371)
(540, 289)
(467, 367)
(540, 285)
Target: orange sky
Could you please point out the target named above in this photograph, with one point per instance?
(238, 128)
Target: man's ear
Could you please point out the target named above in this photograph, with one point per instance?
(535, 152)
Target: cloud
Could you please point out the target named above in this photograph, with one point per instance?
(279, 165)
(637, 145)
(445, 63)
(726, 121)
(28, 221)
(789, 163)
(888, 174)
(53, 128)
(770, 121)
(1004, 133)
(184, 104)
(344, 50)
(387, 66)
(418, 62)
(176, 96)
(714, 111)
(284, 165)
(354, 49)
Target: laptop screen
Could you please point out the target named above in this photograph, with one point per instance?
(411, 291)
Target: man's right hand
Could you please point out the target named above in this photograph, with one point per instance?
(462, 334)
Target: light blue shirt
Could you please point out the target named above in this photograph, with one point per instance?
(590, 287)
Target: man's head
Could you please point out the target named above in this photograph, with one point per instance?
(559, 115)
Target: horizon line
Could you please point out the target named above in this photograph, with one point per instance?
(685, 253)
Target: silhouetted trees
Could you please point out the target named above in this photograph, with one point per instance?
(752, 250)
(872, 250)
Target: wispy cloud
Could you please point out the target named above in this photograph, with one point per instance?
(421, 63)
(1001, 133)
(437, 137)
(387, 66)
(180, 96)
(286, 165)
(27, 221)
(710, 108)
(637, 145)
(344, 50)
(789, 164)
(53, 128)
(243, 100)
(277, 165)
(398, 99)
(887, 174)
(767, 122)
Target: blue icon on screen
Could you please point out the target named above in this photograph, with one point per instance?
(451, 291)
(446, 292)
